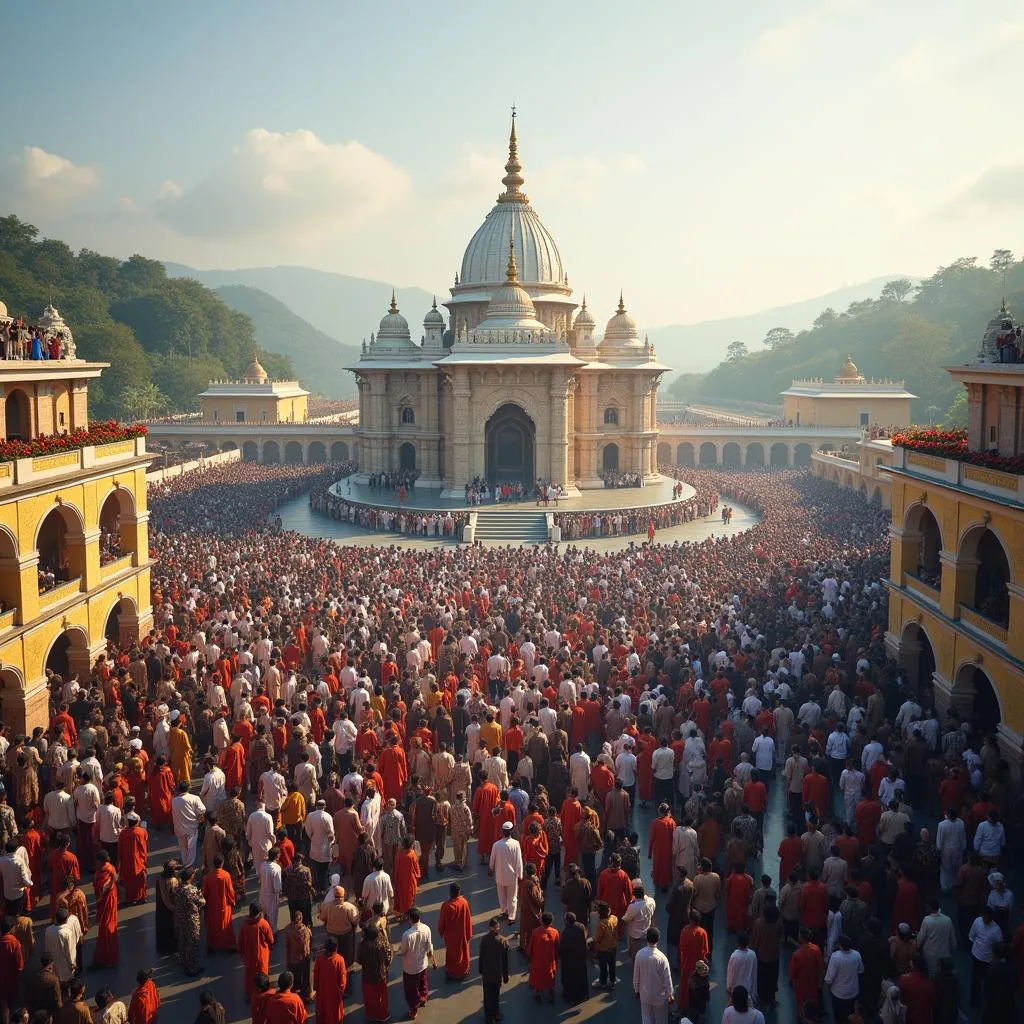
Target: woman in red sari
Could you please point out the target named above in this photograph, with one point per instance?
(107, 951)
(407, 876)
(160, 790)
(455, 926)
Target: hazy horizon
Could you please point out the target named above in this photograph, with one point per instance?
(710, 163)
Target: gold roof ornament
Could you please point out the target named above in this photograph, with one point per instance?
(849, 370)
(513, 180)
(512, 272)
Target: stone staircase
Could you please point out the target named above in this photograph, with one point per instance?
(511, 527)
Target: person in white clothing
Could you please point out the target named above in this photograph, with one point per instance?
(187, 814)
(652, 981)
(259, 834)
(507, 867)
(377, 887)
(742, 966)
(579, 772)
(269, 875)
(319, 828)
(214, 789)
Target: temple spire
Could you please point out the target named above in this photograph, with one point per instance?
(513, 179)
(512, 272)
(393, 308)
(622, 306)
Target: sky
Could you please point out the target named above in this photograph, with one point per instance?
(708, 159)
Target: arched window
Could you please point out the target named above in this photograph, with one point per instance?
(611, 416)
(408, 416)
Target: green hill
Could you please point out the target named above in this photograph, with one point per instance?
(910, 333)
(165, 339)
(316, 357)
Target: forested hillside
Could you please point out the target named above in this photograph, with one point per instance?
(909, 333)
(164, 338)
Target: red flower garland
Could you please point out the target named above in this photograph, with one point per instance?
(103, 432)
(952, 444)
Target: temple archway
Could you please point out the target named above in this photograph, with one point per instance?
(317, 452)
(755, 455)
(731, 455)
(918, 658)
(119, 628)
(708, 454)
(684, 454)
(664, 453)
(802, 455)
(509, 440)
(271, 452)
(293, 453)
(779, 455)
(407, 457)
(977, 699)
(250, 451)
(339, 452)
(610, 458)
(17, 418)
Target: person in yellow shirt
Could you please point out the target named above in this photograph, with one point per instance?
(293, 810)
(180, 749)
(490, 733)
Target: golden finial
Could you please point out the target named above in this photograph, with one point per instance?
(433, 305)
(622, 307)
(513, 179)
(512, 273)
(394, 305)
(583, 308)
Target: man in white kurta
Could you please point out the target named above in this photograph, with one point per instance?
(269, 875)
(507, 868)
(319, 828)
(259, 834)
(377, 887)
(951, 842)
(579, 772)
(686, 849)
(369, 815)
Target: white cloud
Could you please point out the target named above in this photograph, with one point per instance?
(35, 178)
(780, 43)
(998, 189)
(290, 182)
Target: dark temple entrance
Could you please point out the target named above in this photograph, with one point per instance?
(509, 437)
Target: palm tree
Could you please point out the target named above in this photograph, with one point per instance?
(143, 401)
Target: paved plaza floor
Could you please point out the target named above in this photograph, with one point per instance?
(296, 515)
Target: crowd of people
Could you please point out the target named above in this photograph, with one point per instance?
(615, 478)
(401, 480)
(408, 522)
(21, 340)
(321, 727)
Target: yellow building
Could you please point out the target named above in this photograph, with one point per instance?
(956, 607)
(254, 399)
(74, 549)
(848, 400)
(862, 467)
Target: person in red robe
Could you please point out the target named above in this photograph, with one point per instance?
(645, 774)
(12, 965)
(286, 1006)
(161, 787)
(535, 847)
(542, 950)
(108, 950)
(62, 864)
(32, 841)
(484, 801)
(260, 998)
(330, 979)
(133, 857)
(145, 1002)
(219, 893)
(254, 941)
(739, 887)
(232, 763)
(906, 907)
(693, 947)
(455, 926)
(806, 969)
(393, 770)
(659, 848)
(407, 876)
(570, 812)
(614, 887)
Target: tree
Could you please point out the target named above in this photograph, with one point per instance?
(897, 290)
(825, 318)
(736, 351)
(115, 344)
(777, 337)
(1002, 260)
(956, 414)
(143, 401)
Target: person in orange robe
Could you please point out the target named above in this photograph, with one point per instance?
(219, 893)
(61, 863)
(263, 994)
(232, 763)
(535, 847)
(455, 926)
(135, 776)
(32, 841)
(107, 951)
(254, 941)
(645, 774)
(601, 781)
(484, 801)
(145, 1001)
(614, 887)
(330, 978)
(393, 770)
(503, 811)
(739, 887)
(806, 969)
(286, 1006)
(570, 813)
(133, 856)
(407, 876)
(542, 950)
(693, 946)
(161, 788)
(659, 848)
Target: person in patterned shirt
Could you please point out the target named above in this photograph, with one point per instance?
(460, 820)
(553, 862)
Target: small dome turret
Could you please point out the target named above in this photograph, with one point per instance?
(849, 371)
(255, 371)
(433, 317)
(621, 336)
(584, 317)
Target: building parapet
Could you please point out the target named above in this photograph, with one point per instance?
(978, 480)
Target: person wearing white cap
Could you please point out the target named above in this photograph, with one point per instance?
(507, 867)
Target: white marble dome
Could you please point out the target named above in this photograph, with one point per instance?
(433, 316)
(584, 317)
(512, 218)
(621, 333)
(393, 334)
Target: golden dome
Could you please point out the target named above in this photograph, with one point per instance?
(256, 372)
(849, 370)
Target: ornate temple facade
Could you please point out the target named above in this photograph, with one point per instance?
(515, 385)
